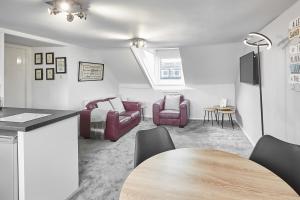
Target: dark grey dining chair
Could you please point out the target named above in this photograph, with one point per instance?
(281, 158)
(151, 142)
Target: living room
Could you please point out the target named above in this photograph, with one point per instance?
(108, 73)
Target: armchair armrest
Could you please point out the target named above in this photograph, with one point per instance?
(132, 106)
(184, 112)
(85, 123)
(157, 107)
(112, 125)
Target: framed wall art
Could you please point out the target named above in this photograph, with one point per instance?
(50, 74)
(38, 58)
(50, 58)
(90, 71)
(38, 74)
(61, 65)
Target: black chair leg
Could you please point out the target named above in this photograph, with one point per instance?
(208, 115)
(232, 124)
(222, 119)
(216, 115)
(204, 117)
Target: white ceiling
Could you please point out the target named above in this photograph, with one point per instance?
(12, 39)
(164, 23)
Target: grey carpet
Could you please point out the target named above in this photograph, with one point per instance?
(104, 165)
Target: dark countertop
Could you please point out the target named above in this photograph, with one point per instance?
(56, 115)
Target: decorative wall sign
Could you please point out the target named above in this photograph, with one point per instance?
(61, 65)
(50, 74)
(294, 54)
(38, 58)
(90, 71)
(49, 58)
(38, 74)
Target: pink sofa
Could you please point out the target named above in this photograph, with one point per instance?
(116, 124)
(171, 117)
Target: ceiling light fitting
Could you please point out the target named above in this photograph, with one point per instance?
(138, 42)
(70, 7)
(257, 39)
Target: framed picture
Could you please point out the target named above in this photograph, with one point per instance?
(61, 65)
(90, 71)
(38, 58)
(49, 73)
(49, 58)
(38, 74)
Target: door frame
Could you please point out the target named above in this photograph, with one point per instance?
(28, 72)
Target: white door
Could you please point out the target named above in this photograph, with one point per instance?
(15, 77)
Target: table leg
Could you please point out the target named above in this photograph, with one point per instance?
(231, 121)
(216, 115)
(208, 115)
(222, 119)
(204, 117)
(212, 118)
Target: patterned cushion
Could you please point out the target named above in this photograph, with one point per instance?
(172, 102)
(105, 105)
(117, 105)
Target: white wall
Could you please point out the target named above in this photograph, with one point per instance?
(209, 71)
(65, 92)
(1, 64)
(281, 104)
(200, 96)
(210, 64)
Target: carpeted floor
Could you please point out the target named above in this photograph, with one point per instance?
(104, 165)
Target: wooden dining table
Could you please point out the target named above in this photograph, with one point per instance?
(195, 174)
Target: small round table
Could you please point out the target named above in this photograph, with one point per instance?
(192, 174)
(210, 111)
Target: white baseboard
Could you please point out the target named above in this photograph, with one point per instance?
(245, 132)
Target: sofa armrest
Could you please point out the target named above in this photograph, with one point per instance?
(184, 112)
(132, 106)
(85, 123)
(156, 108)
(112, 126)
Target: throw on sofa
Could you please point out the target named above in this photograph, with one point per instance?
(117, 124)
(177, 116)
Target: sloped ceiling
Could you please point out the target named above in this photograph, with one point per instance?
(213, 64)
(164, 23)
(123, 64)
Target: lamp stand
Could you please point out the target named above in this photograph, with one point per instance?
(260, 91)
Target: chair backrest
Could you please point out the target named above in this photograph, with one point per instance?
(93, 104)
(281, 158)
(151, 142)
(181, 97)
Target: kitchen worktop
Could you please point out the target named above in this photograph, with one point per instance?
(52, 117)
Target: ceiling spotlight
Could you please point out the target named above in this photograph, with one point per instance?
(64, 6)
(69, 7)
(70, 17)
(81, 15)
(138, 42)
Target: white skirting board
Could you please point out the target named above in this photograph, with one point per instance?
(48, 161)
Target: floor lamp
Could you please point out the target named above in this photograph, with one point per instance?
(259, 41)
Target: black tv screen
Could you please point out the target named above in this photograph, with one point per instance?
(248, 69)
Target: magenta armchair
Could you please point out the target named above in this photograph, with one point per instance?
(117, 124)
(171, 117)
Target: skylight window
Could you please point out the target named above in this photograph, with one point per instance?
(170, 68)
(163, 67)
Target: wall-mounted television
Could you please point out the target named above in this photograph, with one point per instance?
(249, 69)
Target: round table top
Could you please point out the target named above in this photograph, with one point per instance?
(196, 174)
(210, 109)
